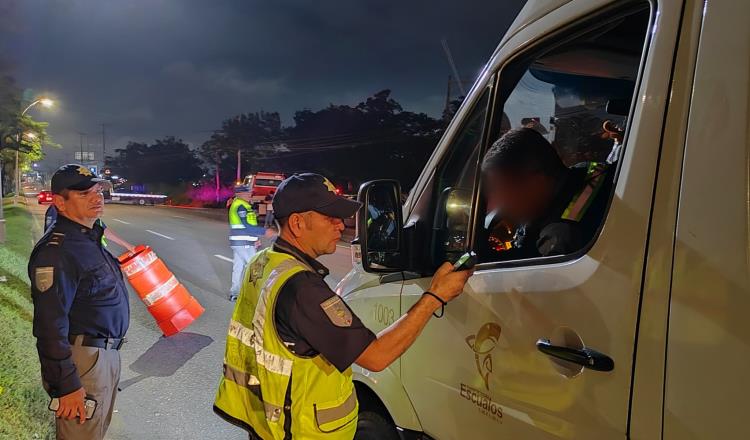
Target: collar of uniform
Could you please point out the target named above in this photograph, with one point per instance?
(67, 225)
(284, 246)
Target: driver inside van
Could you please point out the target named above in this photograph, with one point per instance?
(556, 210)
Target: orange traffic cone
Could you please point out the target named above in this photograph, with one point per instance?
(167, 300)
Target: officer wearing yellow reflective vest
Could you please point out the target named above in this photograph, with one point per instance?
(292, 340)
(244, 234)
(557, 209)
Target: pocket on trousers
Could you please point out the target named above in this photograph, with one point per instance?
(86, 359)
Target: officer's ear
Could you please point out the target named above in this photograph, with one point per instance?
(297, 223)
(59, 199)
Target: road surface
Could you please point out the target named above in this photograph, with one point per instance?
(168, 384)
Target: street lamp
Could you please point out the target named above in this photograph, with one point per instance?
(46, 103)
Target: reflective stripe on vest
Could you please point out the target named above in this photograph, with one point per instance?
(264, 385)
(234, 216)
(582, 200)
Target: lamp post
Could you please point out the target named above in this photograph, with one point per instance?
(47, 103)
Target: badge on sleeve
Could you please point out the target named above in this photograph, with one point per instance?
(337, 311)
(44, 277)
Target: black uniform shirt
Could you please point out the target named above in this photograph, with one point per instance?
(77, 289)
(311, 319)
(553, 235)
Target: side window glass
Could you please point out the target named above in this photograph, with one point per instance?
(455, 186)
(549, 172)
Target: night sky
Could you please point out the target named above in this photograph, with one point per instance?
(151, 68)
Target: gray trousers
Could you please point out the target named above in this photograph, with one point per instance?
(99, 370)
(242, 254)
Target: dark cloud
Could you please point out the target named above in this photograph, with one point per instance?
(151, 68)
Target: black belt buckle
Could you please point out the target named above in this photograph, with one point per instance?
(110, 343)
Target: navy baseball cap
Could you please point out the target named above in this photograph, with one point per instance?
(73, 176)
(311, 192)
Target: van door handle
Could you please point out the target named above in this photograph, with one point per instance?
(586, 357)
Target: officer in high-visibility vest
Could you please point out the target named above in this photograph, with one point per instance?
(557, 209)
(244, 234)
(292, 340)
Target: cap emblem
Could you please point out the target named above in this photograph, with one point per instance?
(329, 185)
(84, 171)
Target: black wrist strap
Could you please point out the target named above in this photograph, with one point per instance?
(442, 304)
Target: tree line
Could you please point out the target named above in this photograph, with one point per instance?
(17, 131)
(376, 138)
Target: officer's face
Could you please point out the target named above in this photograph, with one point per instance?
(520, 197)
(83, 207)
(319, 232)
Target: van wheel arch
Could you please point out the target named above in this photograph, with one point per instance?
(372, 411)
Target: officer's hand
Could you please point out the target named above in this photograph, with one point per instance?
(448, 284)
(72, 405)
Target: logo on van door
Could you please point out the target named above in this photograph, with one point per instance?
(482, 345)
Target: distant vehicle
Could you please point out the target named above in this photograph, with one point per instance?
(135, 198)
(44, 197)
(262, 188)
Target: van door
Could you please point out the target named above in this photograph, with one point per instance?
(708, 354)
(477, 372)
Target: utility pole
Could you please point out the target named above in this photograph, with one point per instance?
(453, 66)
(239, 164)
(448, 100)
(81, 134)
(104, 145)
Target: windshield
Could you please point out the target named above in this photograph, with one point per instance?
(267, 182)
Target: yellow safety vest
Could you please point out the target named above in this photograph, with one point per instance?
(266, 387)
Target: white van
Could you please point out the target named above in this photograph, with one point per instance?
(641, 334)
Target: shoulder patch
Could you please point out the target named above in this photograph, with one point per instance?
(337, 311)
(56, 239)
(44, 277)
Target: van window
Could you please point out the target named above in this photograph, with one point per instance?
(549, 170)
(455, 180)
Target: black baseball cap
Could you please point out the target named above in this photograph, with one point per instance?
(73, 176)
(311, 192)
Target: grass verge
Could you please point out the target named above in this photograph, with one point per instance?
(23, 402)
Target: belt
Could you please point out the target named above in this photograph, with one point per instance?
(90, 341)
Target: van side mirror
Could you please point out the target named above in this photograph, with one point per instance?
(380, 225)
(451, 225)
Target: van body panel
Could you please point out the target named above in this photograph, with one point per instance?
(648, 382)
(532, 11)
(708, 351)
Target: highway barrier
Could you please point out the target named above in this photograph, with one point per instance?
(168, 301)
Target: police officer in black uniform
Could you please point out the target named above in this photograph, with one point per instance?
(81, 310)
(557, 210)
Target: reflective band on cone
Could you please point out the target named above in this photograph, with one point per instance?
(160, 292)
(166, 298)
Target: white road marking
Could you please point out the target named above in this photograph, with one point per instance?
(121, 221)
(178, 216)
(221, 257)
(160, 235)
